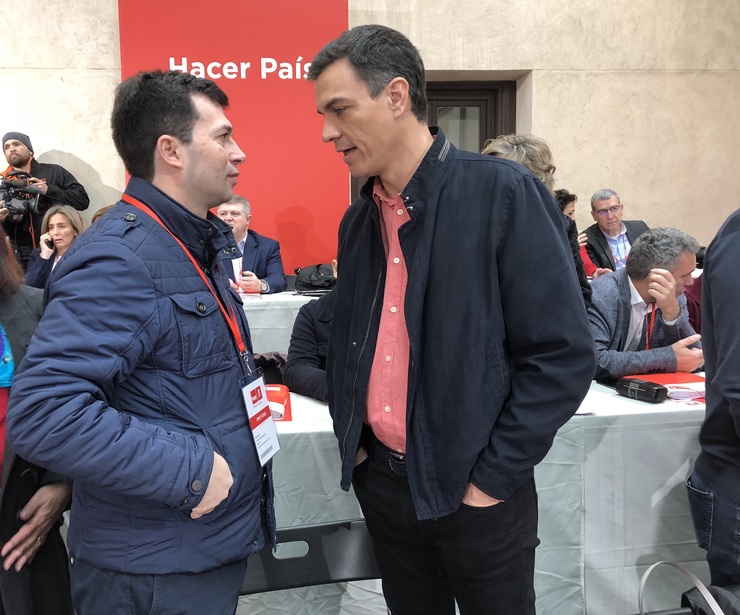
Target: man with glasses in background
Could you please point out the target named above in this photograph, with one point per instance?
(610, 239)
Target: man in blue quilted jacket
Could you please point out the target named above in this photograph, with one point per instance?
(132, 385)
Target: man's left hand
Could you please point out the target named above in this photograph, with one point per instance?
(3, 211)
(476, 498)
(38, 516)
(250, 283)
(662, 288)
(38, 183)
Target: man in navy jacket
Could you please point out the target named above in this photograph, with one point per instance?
(132, 383)
(260, 268)
(451, 363)
(713, 486)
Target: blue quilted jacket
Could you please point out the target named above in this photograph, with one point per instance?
(131, 382)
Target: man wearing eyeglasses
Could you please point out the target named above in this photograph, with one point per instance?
(610, 240)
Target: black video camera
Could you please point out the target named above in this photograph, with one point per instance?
(20, 198)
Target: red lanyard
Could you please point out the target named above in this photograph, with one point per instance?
(649, 327)
(230, 316)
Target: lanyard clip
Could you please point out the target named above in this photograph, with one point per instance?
(245, 357)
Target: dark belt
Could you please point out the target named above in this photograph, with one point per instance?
(378, 451)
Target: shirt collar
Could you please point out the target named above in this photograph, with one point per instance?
(636, 299)
(381, 196)
(622, 231)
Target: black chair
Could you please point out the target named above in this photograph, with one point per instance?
(329, 553)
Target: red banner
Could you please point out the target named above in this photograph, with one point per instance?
(258, 53)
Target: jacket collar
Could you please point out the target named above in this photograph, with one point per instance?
(327, 307)
(205, 238)
(431, 173)
(250, 241)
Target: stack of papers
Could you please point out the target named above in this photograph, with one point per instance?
(680, 385)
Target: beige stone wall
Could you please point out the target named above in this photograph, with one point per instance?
(636, 96)
(58, 72)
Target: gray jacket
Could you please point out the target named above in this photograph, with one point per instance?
(19, 315)
(609, 316)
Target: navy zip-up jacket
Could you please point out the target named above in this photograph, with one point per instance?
(501, 352)
(718, 463)
(130, 383)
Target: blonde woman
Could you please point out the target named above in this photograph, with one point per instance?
(60, 227)
(534, 154)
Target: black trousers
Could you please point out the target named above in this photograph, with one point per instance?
(103, 592)
(41, 588)
(483, 558)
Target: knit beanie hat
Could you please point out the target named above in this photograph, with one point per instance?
(21, 137)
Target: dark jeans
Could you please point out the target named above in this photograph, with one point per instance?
(717, 527)
(483, 558)
(103, 592)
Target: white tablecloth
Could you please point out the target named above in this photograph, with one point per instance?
(271, 319)
(307, 491)
(611, 502)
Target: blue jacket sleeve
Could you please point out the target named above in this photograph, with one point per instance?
(551, 349)
(61, 415)
(721, 305)
(38, 270)
(275, 275)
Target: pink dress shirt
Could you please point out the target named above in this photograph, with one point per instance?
(388, 385)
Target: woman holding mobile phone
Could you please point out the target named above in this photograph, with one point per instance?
(60, 227)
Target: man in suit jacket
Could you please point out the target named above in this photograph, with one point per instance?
(610, 240)
(260, 268)
(638, 315)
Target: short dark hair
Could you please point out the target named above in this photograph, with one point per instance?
(151, 104)
(563, 198)
(378, 54)
(661, 247)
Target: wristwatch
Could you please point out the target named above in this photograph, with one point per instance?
(264, 287)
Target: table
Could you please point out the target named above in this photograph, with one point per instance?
(271, 319)
(306, 472)
(611, 501)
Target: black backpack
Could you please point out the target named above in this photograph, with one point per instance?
(314, 279)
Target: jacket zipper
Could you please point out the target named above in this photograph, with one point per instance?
(357, 369)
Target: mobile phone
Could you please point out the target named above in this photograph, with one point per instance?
(49, 243)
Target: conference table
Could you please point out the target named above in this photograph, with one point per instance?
(611, 501)
(271, 319)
